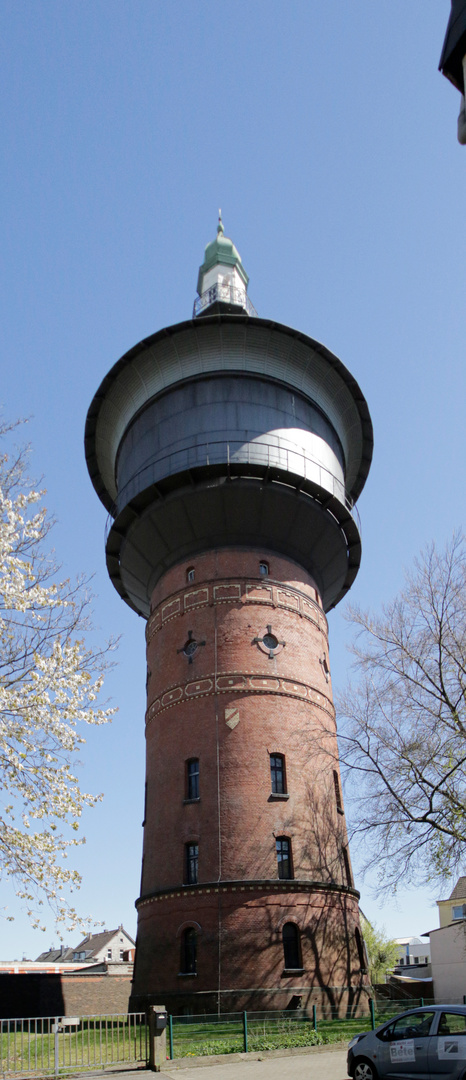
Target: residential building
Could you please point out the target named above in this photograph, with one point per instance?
(454, 908)
(108, 945)
(413, 952)
(448, 946)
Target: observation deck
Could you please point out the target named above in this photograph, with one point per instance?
(223, 297)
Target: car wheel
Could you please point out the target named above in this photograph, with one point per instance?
(364, 1070)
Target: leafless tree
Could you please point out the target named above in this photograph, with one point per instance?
(402, 727)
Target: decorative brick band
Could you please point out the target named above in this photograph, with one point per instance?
(273, 887)
(244, 591)
(244, 683)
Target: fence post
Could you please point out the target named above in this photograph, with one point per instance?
(170, 1035)
(422, 1002)
(56, 1029)
(245, 1032)
(464, 999)
(314, 1017)
(371, 1006)
(157, 1037)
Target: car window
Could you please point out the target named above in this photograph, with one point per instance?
(414, 1026)
(452, 1024)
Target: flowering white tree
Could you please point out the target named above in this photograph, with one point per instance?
(49, 686)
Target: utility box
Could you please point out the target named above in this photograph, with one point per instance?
(161, 1021)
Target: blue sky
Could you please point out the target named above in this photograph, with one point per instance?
(328, 137)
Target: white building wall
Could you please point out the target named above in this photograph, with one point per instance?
(111, 951)
(448, 951)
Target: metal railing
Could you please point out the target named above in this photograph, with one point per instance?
(223, 294)
(49, 1046)
(291, 462)
(227, 1033)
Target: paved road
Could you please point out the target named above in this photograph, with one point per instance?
(317, 1064)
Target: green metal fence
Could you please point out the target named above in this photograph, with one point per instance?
(52, 1046)
(228, 1033)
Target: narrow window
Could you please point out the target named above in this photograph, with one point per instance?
(189, 952)
(193, 779)
(360, 945)
(109, 954)
(291, 946)
(277, 774)
(283, 847)
(347, 867)
(336, 783)
(264, 569)
(192, 860)
(190, 574)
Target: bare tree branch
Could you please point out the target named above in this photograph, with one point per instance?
(402, 727)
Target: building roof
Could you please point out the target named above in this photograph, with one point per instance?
(93, 943)
(90, 945)
(221, 251)
(459, 891)
(56, 956)
(454, 46)
(408, 941)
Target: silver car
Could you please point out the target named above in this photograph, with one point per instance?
(427, 1043)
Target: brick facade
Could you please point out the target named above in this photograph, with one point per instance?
(238, 675)
(65, 994)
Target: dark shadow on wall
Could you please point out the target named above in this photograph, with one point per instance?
(31, 994)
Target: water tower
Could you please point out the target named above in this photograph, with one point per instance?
(229, 451)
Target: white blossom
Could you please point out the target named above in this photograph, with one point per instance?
(49, 686)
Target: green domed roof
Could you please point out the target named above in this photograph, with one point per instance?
(221, 250)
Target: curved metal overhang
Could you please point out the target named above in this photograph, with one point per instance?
(246, 506)
(220, 343)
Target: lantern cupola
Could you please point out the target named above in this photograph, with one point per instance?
(222, 281)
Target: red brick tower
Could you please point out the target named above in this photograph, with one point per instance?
(229, 451)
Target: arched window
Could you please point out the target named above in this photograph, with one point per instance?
(277, 774)
(190, 574)
(264, 569)
(189, 952)
(283, 848)
(291, 946)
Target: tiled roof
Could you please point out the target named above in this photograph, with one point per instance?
(91, 945)
(459, 892)
(56, 956)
